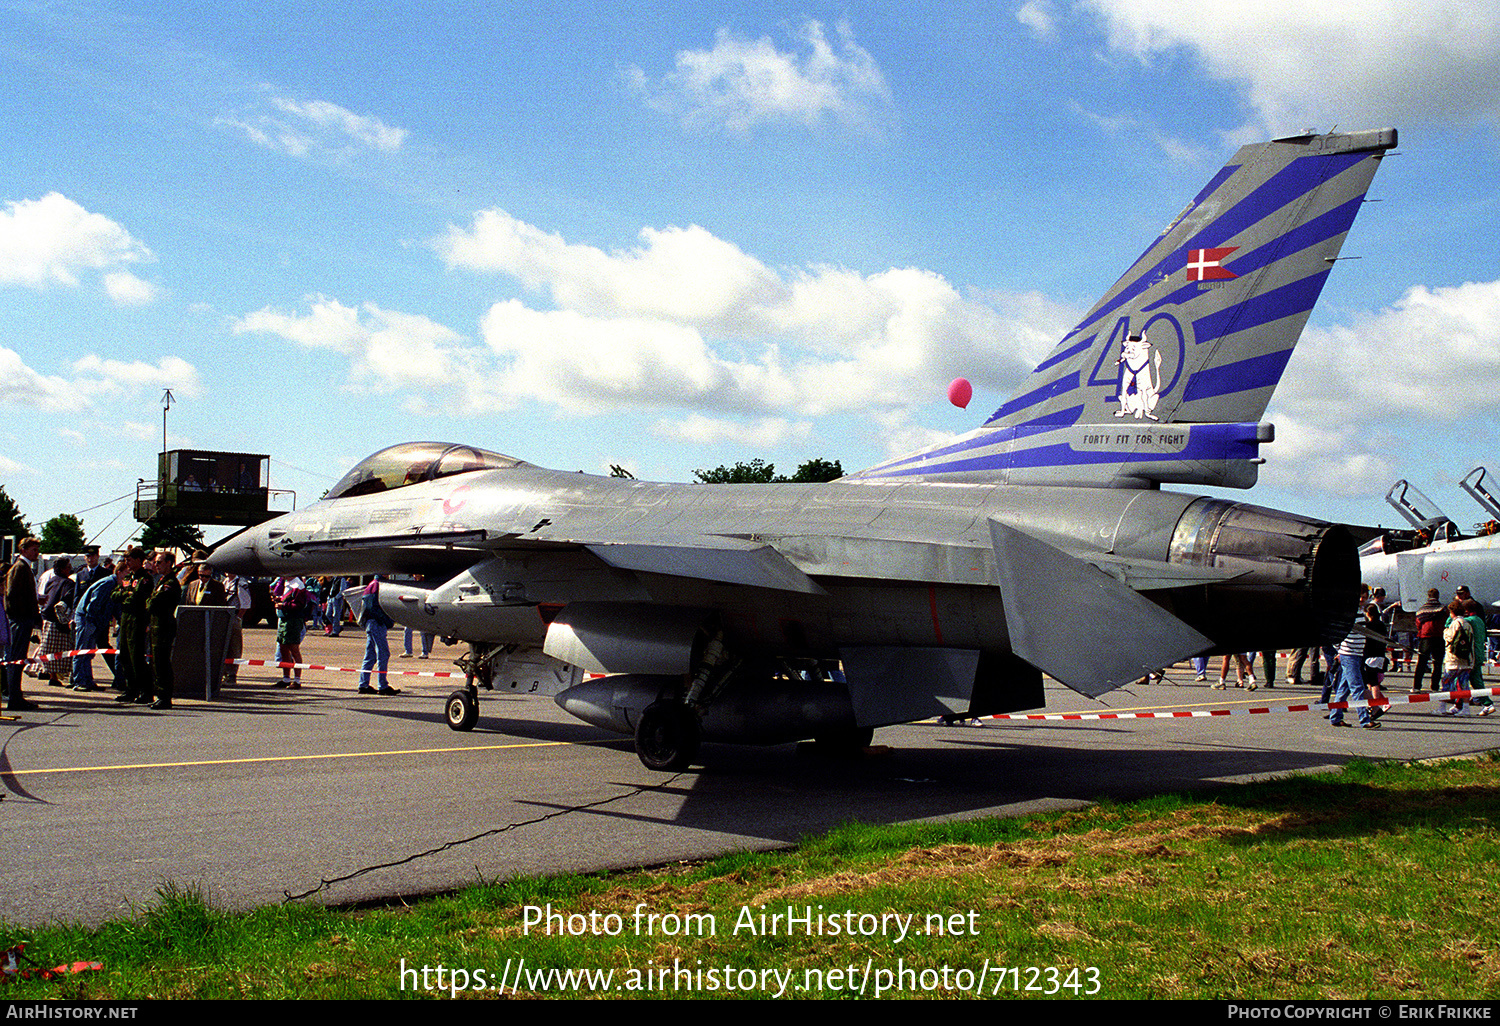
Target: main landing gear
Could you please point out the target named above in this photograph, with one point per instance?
(669, 731)
(667, 736)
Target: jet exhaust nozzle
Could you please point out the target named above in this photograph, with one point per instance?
(1298, 578)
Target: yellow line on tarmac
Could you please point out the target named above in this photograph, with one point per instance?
(287, 758)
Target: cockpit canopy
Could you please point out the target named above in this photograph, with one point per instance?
(412, 462)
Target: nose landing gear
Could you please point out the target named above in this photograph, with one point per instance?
(462, 709)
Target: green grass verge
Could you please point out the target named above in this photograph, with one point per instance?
(1375, 882)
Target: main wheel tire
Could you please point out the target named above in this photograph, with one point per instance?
(667, 736)
(462, 710)
(849, 741)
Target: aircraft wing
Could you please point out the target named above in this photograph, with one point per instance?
(717, 558)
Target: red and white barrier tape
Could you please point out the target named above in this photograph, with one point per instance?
(1399, 699)
(342, 669)
(241, 662)
(1260, 710)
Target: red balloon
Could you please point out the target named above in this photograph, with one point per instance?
(960, 392)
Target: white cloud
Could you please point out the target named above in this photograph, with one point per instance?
(1355, 370)
(93, 376)
(1175, 149)
(683, 320)
(97, 376)
(683, 274)
(1313, 63)
(762, 433)
(22, 386)
(330, 325)
(1345, 459)
(49, 240)
(316, 128)
(371, 131)
(128, 290)
(267, 133)
(740, 83)
(686, 319)
(388, 349)
(593, 364)
(1040, 16)
(898, 435)
(1355, 391)
(10, 467)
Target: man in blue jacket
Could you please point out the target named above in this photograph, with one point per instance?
(91, 619)
(377, 647)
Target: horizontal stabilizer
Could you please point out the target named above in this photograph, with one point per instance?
(1077, 623)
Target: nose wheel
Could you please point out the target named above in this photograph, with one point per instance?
(462, 710)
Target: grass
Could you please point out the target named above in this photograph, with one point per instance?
(1375, 882)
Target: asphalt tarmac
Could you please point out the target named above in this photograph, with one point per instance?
(344, 797)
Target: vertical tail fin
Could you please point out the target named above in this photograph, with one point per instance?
(1165, 378)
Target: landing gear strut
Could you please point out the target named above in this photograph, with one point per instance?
(667, 736)
(462, 708)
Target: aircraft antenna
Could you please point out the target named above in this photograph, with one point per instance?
(167, 399)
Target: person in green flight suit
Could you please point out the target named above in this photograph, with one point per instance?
(162, 606)
(134, 592)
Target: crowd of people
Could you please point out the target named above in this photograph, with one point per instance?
(1448, 645)
(129, 606)
(129, 609)
(330, 604)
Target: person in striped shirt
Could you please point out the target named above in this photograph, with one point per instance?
(1351, 684)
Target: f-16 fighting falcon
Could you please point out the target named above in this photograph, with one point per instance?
(945, 582)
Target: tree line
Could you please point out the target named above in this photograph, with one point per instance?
(758, 471)
(63, 533)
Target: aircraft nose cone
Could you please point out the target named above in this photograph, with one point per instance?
(239, 555)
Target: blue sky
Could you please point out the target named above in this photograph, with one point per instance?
(676, 235)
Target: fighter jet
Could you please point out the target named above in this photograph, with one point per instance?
(945, 582)
(1434, 554)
